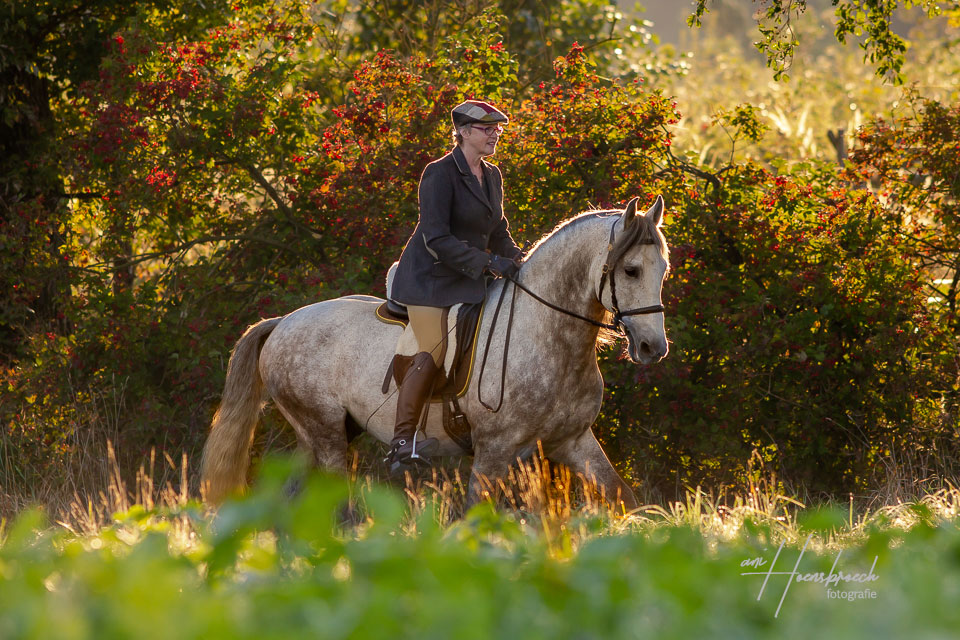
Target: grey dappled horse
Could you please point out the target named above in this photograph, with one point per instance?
(323, 364)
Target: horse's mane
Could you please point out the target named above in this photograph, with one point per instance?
(642, 231)
(565, 225)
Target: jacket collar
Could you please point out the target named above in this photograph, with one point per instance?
(461, 161)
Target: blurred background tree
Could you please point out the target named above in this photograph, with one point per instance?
(871, 23)
(178, 170)
(48, 49)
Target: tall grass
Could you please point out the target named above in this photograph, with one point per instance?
(565, 509)
(94, 480)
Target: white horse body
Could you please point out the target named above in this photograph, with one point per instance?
(323, 365)
(341, 353)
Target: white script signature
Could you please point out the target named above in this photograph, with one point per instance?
(827, 579)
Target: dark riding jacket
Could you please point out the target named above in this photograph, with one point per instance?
(460, 224)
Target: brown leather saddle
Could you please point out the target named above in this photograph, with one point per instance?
(452, 384)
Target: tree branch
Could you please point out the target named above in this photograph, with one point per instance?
(185, 246)
(284, 208)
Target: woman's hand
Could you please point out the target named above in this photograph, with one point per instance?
(503, 267)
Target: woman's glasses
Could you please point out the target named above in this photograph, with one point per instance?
(489, 130)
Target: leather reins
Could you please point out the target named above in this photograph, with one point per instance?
(617, 324)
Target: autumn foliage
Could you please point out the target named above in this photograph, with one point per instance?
(235, 175)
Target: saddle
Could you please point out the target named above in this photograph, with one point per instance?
(458, 362)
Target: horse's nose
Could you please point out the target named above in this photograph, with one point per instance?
(653, 351)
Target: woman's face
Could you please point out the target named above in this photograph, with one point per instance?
(482, 139)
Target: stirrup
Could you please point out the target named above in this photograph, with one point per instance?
(429, 448)
(418, 455)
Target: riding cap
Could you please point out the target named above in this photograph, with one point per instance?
(476, 111)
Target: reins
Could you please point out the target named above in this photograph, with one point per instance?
(618, 315)
(616, 325)
(573, 314)
(506, 347)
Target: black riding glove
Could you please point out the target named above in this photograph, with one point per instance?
(502, 267)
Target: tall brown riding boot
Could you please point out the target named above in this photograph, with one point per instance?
(407, 448)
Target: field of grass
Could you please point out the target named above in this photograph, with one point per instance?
(356, 559)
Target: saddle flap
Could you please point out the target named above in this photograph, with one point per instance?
(460, 352)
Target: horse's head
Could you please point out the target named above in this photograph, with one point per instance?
(638, 263)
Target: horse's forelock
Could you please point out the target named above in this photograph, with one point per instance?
(641, 230)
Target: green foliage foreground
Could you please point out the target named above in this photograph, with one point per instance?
(270, 566)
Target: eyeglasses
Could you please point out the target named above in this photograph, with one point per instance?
(489, 130)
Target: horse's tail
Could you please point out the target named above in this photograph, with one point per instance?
(226, 454)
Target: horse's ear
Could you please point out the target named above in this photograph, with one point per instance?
(655, 213)
(630, 212)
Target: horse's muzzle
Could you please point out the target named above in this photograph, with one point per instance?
(647, 351)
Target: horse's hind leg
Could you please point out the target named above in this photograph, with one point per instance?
(324, 434)
(321, 432)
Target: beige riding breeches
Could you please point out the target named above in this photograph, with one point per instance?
(429, 330)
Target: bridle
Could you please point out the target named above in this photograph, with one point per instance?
(616, 326)
(608, 268)
(618, 315)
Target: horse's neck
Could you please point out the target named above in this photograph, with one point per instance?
(562, 271)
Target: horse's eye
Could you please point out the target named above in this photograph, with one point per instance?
(633, 272)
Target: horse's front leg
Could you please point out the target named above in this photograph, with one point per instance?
(585, 457)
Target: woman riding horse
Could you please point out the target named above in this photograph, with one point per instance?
(461, 236)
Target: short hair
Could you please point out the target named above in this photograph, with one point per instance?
(457, 137)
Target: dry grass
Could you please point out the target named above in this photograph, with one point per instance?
(564, 509)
